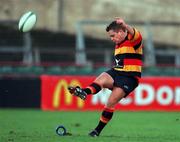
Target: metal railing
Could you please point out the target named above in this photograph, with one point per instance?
(34, 55)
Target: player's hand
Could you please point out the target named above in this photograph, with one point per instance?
(126, 26)
(120, 21)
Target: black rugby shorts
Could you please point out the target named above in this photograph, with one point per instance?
(127, 83)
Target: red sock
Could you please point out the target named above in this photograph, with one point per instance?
(106, 116)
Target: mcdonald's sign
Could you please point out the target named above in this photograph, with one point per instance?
(62, 84)
(55, 95)
(153, 93)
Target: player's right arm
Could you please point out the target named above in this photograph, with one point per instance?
(126, 26)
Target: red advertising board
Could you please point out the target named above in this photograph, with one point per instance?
(153, 93)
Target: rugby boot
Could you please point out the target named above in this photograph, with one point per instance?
(94, 133)
(77, 91)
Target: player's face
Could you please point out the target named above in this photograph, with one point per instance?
(117, 37)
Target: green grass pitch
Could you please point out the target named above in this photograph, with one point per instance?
(27, 125)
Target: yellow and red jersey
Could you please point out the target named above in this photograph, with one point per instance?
(128, 55)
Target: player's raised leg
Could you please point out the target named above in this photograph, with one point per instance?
(102, 81)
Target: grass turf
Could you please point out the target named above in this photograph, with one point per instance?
(26, 125)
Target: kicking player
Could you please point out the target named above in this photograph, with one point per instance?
(124, 77)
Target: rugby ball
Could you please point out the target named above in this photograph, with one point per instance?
(27, 21)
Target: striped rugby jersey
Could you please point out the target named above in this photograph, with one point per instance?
(128, 55)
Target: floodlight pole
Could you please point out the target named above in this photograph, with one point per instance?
(27, 56)
(150, 59)
(80, 46)
(60, 14)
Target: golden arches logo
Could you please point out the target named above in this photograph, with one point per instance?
(62, 84)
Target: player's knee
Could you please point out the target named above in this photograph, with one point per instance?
(115, 97)
(104, 80)
(112, 102)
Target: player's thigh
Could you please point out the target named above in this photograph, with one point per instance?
(116, 95)
(105, 80)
